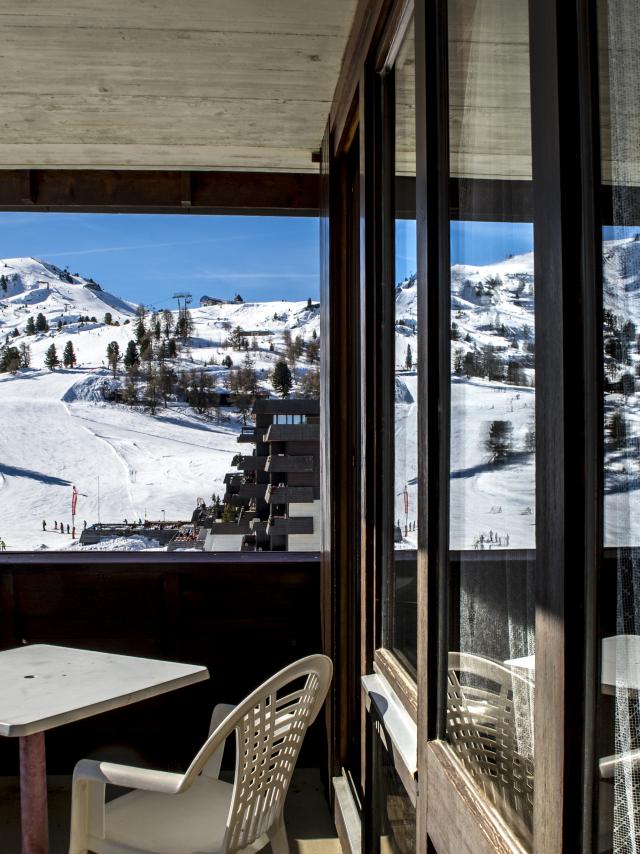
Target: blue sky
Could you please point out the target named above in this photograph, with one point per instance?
(471, 243)
(147, 258)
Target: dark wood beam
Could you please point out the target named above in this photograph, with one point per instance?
(125, 191)
(367, 24)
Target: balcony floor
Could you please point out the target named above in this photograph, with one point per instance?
(311, 830)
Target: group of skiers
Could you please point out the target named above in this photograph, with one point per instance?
(60, 527)
(494, 539)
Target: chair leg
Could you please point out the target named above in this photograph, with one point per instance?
(279, 841)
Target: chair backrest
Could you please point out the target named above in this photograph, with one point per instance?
(270, 725)
(482, 729)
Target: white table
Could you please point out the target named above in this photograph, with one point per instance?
(620, 663)
(44, 686)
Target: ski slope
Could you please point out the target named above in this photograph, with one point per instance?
(133, 464)
(56, 429)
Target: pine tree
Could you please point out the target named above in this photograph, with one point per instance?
(30, 328)
(9, 360)
(69, 356)
(41, 323)
(499, 441)
(108, 318)
(618, 430)
(184, 325)
(228, 513)
(313, 351)
(172, 348)
(408, 359)
(310, 384)
(166, 381)
(140, 330)
(515, 375)
(51, 359)
(25, 356)
(131, 356)
(281, 379)
(152, 391)
(227, 361)
(146, 349)
(201, 391)
(4, 284)
(113, 356)
(236, 339)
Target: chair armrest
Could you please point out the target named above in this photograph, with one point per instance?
(220, 712)
(128, 776)
(608, 764)
(212, 768)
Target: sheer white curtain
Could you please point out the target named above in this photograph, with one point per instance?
(620, 34)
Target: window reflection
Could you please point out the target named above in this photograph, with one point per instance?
(400, 625)
(491, 664)
(619, 765)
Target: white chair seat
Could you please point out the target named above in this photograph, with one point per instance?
(192, 822)
(196, 812)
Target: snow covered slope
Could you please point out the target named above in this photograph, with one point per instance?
(57, 429)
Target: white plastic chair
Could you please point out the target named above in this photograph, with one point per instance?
(195, 812)
(481, 725)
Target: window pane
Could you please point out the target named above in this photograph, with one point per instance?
(401, 590)
(619, 767)
(159, 383)
(394, 815)
(492, 439)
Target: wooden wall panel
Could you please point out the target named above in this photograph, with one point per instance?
(243, 621)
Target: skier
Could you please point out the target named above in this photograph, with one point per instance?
(68, 529)
(61, 528)
(3, 546)
(507, 539)
(84, 525)
(44, 525)
(55, 526)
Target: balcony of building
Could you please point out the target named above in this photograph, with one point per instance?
(282, 494)
(288, 463)
(290, 525)
(204, 611)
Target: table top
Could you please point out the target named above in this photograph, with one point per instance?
(43, 686)
(620, 663)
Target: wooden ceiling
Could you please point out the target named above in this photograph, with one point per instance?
(168, 84)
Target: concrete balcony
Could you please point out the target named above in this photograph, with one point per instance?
(293, 433)
(288, 463)
(288, 494)
(290, 525)
(253, 490)
(250, 435)
(251, 463)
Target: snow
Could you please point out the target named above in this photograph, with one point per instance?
(57, 430)
(119, 544)
(134, 464)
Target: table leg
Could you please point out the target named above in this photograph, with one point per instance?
(33, 795)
